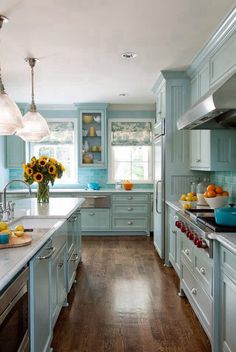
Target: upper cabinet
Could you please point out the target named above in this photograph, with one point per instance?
(212, 150)
(161, 103)
(199, 84)
(92, 136)
(15, 152)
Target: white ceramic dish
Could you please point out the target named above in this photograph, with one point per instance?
(217, 202)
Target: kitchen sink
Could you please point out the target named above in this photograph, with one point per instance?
(34, 223)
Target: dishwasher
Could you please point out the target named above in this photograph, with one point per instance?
(95, 213)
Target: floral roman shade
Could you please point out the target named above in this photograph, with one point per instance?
(60, 132)
(131, 133)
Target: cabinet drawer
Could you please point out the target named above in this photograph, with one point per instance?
(195, 293)
(187, 250)
(95, 219)
(228, 262)
(130, 209)
(203, 269)
(129, 198)
(129, 224)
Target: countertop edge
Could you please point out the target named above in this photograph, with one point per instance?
(174, 205)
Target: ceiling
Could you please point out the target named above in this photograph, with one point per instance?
(80, 42)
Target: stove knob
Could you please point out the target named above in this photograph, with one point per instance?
(188, 233)
(199, 243)
(178, 224)
(192, 236)
(183, 229)
(202, 244)
(196, 239)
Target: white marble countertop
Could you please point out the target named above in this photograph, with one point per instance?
(12, 260)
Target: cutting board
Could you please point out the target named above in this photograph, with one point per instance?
(17, 242)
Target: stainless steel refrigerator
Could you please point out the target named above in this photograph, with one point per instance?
(159, 188)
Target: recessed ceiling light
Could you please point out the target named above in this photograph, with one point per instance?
(129, 55)
(123, 95)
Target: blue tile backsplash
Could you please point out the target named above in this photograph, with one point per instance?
(85, 176)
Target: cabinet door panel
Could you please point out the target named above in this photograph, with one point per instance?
(203, 80)
(15, 152)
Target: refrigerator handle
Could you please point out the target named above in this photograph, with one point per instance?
(158, 212)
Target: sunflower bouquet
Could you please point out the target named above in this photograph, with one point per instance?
(42, 170)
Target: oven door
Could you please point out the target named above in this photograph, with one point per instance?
(14, 315)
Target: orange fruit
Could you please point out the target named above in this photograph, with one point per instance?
(225, 194)
(205, 194)
(211, 188)
(211, 194)
(219, 190)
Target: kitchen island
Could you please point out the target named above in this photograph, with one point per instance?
(12, 260)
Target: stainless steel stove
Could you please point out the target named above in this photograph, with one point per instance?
(197, 224)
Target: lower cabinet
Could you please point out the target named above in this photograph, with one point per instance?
(52, 273)
(228, 299)
(40, 299)
(196, 281)
(131, 212)
(173, 241)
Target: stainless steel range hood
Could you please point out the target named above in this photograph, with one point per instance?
(215, 110)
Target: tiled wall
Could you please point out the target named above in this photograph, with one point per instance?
(85, 176)
(227, 179)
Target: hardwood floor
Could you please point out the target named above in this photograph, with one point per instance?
(126, 300)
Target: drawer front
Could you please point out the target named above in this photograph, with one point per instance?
(203, 269)
(130, 209)
(95, 219)
(195, 293)
(129, 224)
(187, 250)
(129, 198)
(228, 262)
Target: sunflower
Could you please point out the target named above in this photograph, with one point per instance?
(38, 177)
(32, 162)
(29, 171)
(42, 161)
(52, 169)
(52, 160)
(61, 166)
(24, 167)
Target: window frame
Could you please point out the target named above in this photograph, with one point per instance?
(76, 154)
(110, 163)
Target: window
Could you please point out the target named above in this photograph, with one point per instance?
(130, 150)
(62, 145)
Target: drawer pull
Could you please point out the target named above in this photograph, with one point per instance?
(174, 232)
(76, 257)
(203, 271)
(91, 214)
(60, 265)
(129, 198)
(130, 222)
(198, 160)
(194, 291)
(187, 251)
(130, 209)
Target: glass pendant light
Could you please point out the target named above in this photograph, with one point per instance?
(35, 126)
(10, 115)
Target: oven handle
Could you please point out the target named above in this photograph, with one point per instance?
(21, 293)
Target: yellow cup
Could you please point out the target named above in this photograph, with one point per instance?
(92, 131)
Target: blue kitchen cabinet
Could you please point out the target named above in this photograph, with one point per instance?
(73, 247)
(174, 242)
(161, 103)
(40, 301)
(194, 90)
(92, 135)
(228, 299)
(15, 152)
(96, 220)
(212, 150)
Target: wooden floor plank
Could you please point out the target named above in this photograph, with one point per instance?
(125, 300)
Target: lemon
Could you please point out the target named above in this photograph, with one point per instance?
(3, 226)
(19, 228)
(183, 197)
(19, 233)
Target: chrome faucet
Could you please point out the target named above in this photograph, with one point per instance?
(9, 209)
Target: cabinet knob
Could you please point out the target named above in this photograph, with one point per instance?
(76, 257)
(91, 214)
(174, 232)
(130, 222)
(130, 209)
(129, 198)
(198, 160)
(60, 265)
(187, 251)
(203, 271)
(194, 291)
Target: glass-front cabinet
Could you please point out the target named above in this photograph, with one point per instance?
(92, 136)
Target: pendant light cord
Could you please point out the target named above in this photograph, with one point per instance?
(2, 89)
(32, 62)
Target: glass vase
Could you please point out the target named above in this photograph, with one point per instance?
(43, 192)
